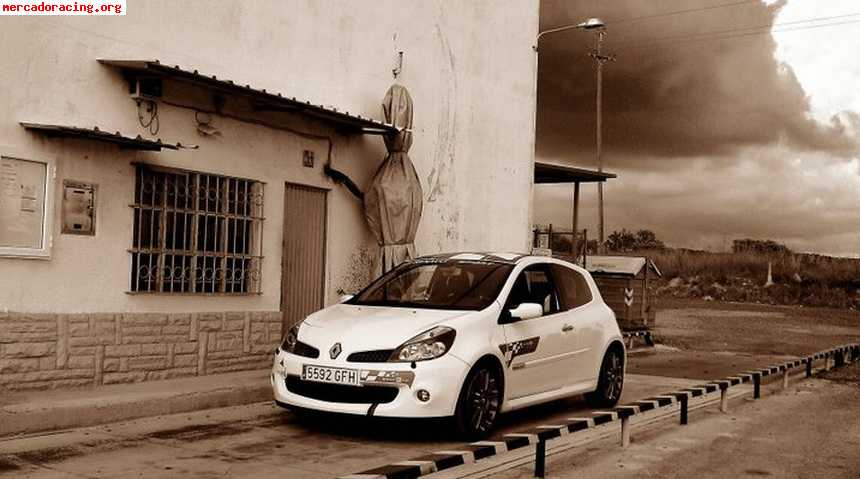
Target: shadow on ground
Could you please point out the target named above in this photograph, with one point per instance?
(418, 430)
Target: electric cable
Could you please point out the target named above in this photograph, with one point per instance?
(153, 124)
(571, 26)
(751, 29)
(336, 175)
(725, 36)
(680, 12)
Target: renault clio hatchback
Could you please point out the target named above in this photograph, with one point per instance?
(466, 336)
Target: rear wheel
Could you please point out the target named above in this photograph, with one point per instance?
(610, 383)
(479, 403)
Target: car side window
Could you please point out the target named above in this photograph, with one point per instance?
(534, 285)
(572, 287)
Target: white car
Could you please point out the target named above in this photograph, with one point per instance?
(467, 336)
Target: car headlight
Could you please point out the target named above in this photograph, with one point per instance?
(291, 339)
(427, 345)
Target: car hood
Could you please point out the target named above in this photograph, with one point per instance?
(363, 328)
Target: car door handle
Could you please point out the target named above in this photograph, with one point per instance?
(566, 328)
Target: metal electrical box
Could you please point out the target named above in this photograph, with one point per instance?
(79, 208)
(308, 158)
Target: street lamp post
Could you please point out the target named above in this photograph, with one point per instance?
(598, 25)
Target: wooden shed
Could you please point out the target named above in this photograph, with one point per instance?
(625, 284)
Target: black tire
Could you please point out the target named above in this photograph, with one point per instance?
(610, 383)
(479, 403)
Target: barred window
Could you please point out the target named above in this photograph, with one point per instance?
(196, 233)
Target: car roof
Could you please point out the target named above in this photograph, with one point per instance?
(485, 257)
(508, 258)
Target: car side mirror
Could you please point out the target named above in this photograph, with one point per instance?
(345, 297)
(521, 312)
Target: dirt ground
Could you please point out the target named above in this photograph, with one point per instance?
(708, 340)
(811, 430)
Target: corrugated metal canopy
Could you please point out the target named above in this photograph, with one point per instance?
(552, 173)
(261, 98)
(94, 133)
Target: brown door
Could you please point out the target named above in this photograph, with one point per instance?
(303, 268)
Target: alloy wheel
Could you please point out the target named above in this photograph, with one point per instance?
(482, 401)
(613, 377)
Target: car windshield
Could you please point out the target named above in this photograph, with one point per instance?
(467, 285)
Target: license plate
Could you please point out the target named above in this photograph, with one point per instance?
(325, 374)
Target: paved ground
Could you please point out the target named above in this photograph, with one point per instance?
(812, 430)
(28, 412)
(700, 341)
(255, 440)
(711, 340)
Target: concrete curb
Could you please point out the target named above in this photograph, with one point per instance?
(58, 410)
(492, 466)
(470, 453)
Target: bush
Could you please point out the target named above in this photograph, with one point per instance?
(810, 280)
(626, 241)
(758, 246)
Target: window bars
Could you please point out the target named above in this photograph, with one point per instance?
(196, 233)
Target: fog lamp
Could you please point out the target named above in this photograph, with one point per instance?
(423, 395)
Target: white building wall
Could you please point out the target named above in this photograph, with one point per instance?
(469, 67)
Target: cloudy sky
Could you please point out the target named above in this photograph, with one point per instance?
(723, 119)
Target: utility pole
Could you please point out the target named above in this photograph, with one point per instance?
(600, 28)
(600, 59)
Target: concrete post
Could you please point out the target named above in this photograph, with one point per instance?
(756, 385)
(684, 403)
(724, 400)
(540, 459)
(785, 379)
(625, 431)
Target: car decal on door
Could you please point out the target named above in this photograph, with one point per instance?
(519, 348)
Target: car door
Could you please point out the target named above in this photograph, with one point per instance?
(583, 328)
(534, 348)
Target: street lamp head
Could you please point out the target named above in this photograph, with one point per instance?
(591, 24)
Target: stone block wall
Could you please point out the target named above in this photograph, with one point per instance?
(47, 351)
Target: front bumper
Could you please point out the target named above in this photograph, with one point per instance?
(441, 377)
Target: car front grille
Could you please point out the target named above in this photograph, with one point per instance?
(306, 350)
(340, 393)
(378, 356)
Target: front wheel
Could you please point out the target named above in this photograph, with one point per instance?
(479, 403)
(610, 382)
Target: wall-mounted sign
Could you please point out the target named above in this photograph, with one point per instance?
(23, 187)
(79, 208)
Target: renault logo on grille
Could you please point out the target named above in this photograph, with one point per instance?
(334, 352)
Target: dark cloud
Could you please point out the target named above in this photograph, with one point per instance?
(808, 203)
(667, 101)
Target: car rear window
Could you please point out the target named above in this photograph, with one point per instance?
(467, 285)
(572, 286)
